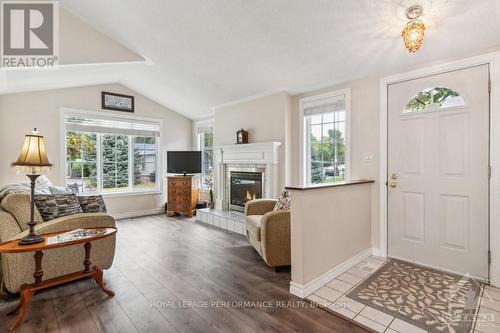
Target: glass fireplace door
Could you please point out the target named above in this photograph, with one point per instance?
(244, 186)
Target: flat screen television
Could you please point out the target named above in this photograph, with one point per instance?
(184, 162)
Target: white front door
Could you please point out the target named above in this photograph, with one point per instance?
(438, 171)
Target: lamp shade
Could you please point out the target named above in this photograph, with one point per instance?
(33, 153)
(413, 35)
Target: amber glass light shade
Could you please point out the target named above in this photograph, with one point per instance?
(413, 35)
(33, 156)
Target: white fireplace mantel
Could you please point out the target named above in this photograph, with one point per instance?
(265, 154)
(252, 153)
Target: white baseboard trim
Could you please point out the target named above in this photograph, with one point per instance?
(128, 215)
(377, 252)
(303, 291)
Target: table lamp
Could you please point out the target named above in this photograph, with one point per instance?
(33, 161)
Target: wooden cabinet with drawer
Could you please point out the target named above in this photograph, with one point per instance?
(182, 195)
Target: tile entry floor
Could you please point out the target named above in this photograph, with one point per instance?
(332, 297)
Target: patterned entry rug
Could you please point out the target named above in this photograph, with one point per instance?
(427, 298)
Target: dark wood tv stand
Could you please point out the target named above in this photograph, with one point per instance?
(182, 195)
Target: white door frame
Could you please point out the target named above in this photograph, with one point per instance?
(493, 60)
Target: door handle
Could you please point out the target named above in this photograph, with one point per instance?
(393, 183)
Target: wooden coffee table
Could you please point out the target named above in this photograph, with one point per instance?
(28, 290)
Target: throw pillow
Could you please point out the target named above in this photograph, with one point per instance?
(14, 188)
(284, 201)
(58, 190)
(63, 190)
(42, 185)
(92, 204)
(73, 188)
(52, 206)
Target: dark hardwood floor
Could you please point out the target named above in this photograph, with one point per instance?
(167, 274)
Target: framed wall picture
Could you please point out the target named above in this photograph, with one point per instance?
(117, 102)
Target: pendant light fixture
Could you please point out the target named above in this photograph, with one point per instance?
(413, 32)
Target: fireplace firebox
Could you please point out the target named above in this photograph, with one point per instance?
(244, 185)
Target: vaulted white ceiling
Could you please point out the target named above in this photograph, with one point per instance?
(211, 52)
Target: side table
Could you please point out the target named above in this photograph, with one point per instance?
(28, 290)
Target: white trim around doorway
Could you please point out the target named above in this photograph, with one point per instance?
(493, 60)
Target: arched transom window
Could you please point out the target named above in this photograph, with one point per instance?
(432, 99)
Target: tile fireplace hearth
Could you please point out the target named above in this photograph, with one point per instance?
(227, 220)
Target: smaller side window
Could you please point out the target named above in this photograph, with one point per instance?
(432, 99)
(205, 145)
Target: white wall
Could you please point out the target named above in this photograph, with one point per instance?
(265, 119)
(20, 113)
(329, 226)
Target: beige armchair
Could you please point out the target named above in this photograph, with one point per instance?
(18, 268)
(269, 231)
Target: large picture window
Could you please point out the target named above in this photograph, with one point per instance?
(206, 145)
(325, 120)
(105, 155)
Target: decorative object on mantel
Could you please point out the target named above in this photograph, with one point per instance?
(117, 102)
(413, 32)
(210, 184)
(241, 136)
(33, 161)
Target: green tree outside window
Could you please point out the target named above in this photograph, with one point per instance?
(327, 153)
(439, 96)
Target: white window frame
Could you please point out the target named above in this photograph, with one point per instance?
(65, 112)
(199, 124)
(304, 152)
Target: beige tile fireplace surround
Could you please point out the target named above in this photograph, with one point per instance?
(263, 157)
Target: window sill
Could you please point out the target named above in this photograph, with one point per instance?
(129, 194)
